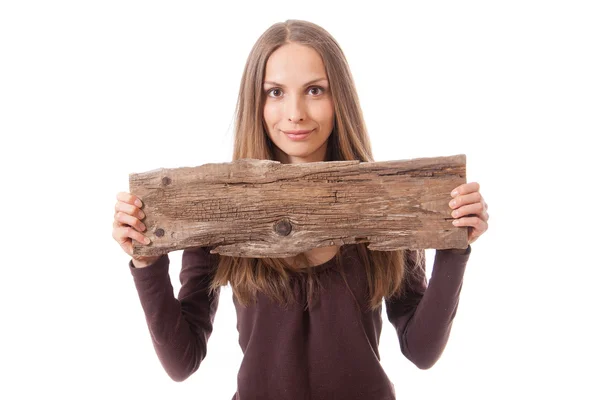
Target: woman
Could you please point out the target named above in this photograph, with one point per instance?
(309, 326)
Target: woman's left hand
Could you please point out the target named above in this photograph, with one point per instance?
(470, 210)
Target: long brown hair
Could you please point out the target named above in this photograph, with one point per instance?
(349, 140)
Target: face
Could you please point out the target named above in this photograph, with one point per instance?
(298, 109)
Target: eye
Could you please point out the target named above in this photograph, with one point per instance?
(273, 91)
(277, 92)
(316, 88)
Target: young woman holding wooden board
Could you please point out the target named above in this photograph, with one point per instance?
(309, 326)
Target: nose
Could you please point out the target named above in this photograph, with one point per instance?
(295, 109)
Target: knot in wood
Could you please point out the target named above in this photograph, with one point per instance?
(166, 181)
(160, 232)
(283, 227)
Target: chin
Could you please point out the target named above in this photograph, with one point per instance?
(301, 151)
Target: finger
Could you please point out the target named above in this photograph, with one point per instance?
(479, 226)
(126, 234)
(130, 220)
(485, 214)
(475, 234)
(129, 198)
(465, 188)
(120, 234)
(129, 209)
(476, 209)
(471, 237)
(117, 224)
(464, 200)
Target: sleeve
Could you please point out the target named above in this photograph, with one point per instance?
(179, 327)
(423, 313)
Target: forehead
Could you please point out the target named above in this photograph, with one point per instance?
(294, 64)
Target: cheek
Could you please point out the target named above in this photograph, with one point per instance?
(323, 112)
(270, 114)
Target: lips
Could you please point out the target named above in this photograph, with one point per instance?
(298, 135)
(298, 132)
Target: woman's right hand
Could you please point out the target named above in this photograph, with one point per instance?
(128, 227)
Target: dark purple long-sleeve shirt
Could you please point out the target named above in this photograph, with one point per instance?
(328, 351)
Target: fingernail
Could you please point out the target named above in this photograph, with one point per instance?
(147, 241)
(452, 203)
(138, 203)
(455, 213)
(143, 227)
(455, 222)
(454, 193)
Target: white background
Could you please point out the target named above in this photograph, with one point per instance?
(93, 91)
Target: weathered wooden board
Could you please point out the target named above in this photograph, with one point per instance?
(261, 208)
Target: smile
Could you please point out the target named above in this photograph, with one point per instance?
(298, 136)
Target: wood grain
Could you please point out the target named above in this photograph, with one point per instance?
(261, 208)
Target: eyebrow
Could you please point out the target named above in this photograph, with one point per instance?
(306, 84)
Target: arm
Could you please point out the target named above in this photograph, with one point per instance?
(179, 327)
(423, 314)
